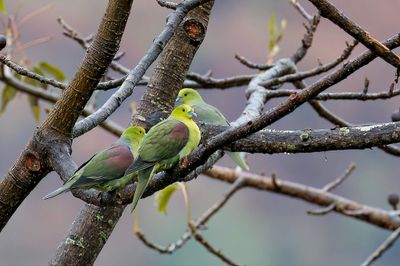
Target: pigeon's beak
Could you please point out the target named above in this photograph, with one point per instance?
(178, 101)
(193, 114)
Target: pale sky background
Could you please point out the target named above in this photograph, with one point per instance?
(255, 228)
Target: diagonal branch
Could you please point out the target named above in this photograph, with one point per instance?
(139, 70)
(201, 154)
(162, 82)
(329, 11)
(382, 248)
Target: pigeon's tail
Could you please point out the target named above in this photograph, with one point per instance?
(239, 160)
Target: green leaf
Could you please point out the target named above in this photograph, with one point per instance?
(283, 25)
(7, 95)
(272, 26)
(2, 8)
(34, 103)
(271, 45)
(163, 196)
(52, 70)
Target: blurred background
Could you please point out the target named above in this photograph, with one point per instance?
(255, 228)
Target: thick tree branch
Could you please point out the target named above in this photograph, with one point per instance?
(312, 140)
(53, 135)
(181, 46)
(137, 73)
(336, 120)
(81, 247)
(201, 154)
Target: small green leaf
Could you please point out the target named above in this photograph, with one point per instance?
(283, 25)
(272, 26)
(271, 45)
(7, 95)
(2, 8)
(163, 196)
(34, 103)
(52, 70)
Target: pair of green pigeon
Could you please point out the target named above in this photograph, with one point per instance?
(136, 154)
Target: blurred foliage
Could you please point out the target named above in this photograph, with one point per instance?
(41, 68)
(2, 8)
(162, 197)
(275, 36)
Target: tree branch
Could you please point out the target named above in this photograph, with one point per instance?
(344, 206)
(382, 248)
(137, 73)
(181, 46)
(199, 156)
(53, 135)
(330, 12)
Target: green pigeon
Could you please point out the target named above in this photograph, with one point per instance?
(208, 114)
(106, 169)
(163, 146)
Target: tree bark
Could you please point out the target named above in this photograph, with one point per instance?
(39, 156)
(157, 102)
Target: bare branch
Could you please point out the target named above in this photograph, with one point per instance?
(26, 72)
(301, 10)
(325, 113)
(52, 97)
(161, 180)
(252, 65)
(210, 82)
(137, 73)
(307, 39)
(167, 4)
(200, 222)
(339, 180)
(212, 250)
(382, 218)
(323, 211)
(382, 248)
(313, 72)
(330, 12)
(360, 96)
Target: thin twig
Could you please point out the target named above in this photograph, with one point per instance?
(382, 248)
(204, 243)
(26, 72)
(200, 222)
(167, 4)
(323, 211)
(252, 65)
(307, 39)
(210, 82)
(339, 180)
(301, 10)
(52, 97)
(312, 72)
